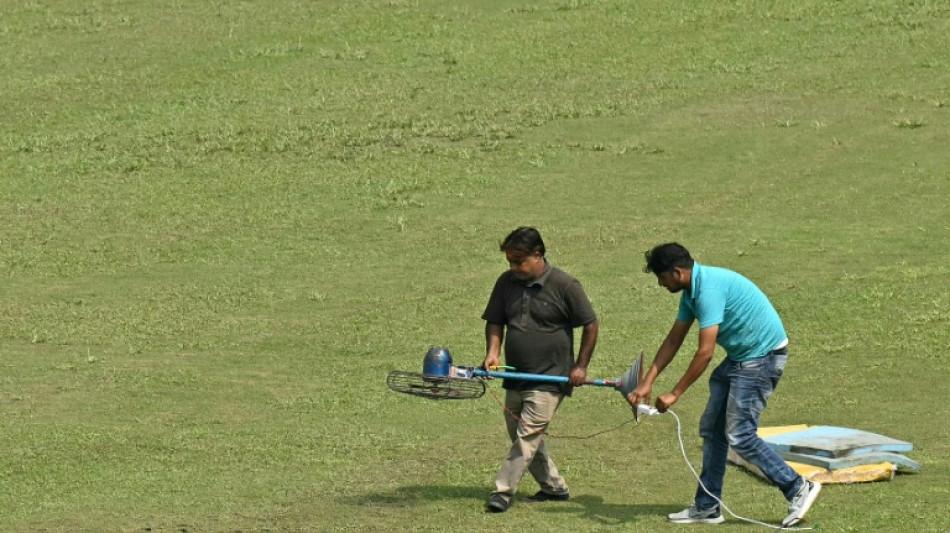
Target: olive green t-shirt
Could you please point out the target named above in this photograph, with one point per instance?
(539, 318)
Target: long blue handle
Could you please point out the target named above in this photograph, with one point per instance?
(542, 378)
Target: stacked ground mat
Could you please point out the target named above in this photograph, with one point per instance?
(829, 454)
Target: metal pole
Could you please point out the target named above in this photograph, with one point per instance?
(543, 378)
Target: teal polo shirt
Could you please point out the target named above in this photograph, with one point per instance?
(749, 327)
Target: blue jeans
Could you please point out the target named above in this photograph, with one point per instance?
(738, 392)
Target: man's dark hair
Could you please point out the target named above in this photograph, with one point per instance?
(524, 240)
(666, 257)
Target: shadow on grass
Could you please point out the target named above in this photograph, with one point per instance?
(581, 506)
(413, 495)
(594, 508)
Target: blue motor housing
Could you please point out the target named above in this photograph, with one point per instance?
(437, 362)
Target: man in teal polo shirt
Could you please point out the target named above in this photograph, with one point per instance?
(735, 314)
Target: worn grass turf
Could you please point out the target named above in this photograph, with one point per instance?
(224, 223)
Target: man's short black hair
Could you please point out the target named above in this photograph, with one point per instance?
(524, 240)
(666, 257)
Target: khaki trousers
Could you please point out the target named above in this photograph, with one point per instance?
(528, 449)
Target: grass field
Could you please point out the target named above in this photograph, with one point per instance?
(223, 223)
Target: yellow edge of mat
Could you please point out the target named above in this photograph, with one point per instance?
(853, 474)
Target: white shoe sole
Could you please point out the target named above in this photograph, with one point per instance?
(700, 521)
(795, 518)
(718, 520)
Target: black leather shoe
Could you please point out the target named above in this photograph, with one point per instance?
(497, 504)
(542, 496)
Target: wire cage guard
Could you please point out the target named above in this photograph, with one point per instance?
(435, 387)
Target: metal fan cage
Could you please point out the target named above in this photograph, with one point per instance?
(435, 387)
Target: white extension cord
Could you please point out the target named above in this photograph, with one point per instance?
(645, 409)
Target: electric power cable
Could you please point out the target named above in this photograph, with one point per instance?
(679, 436)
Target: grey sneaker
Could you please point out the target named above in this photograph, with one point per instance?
(497, 503)
(801, 503)
(697, 516)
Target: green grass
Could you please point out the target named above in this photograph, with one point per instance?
(223, 224)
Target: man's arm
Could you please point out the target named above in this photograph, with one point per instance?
(494, 335)
(669, 348)
(588, 342)
(704, 354)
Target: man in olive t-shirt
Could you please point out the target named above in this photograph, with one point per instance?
(538, 306)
